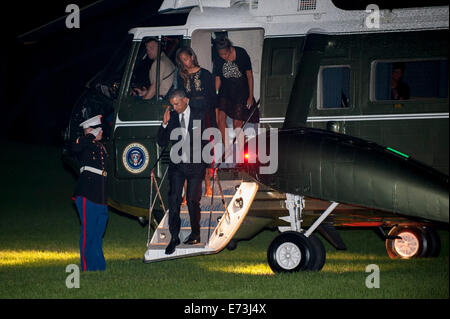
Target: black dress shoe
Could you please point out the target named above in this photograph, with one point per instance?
(192, 240)
(172, 244)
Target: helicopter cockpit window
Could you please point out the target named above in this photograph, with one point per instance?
(100, 94)
(108, 81)
(145, 84)
(334, 87)
(409, 80)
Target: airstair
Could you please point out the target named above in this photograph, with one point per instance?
(221, 216)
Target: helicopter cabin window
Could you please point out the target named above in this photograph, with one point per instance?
(409, 80)
(333, 87)
(144, 84)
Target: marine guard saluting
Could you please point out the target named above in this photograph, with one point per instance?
(90, 194)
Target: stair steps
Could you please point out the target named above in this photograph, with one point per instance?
(216, 227)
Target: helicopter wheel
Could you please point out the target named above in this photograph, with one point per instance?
(320, 253)
(290, 252)
(232, 245)
(143, 221)
(434, 242)
(412, 244)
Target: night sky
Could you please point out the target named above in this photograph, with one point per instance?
(44, 71)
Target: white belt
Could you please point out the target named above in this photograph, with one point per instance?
(93, 170)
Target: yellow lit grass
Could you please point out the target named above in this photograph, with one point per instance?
(9, 258)
(338, 263)
(262, 269)
(30, 257)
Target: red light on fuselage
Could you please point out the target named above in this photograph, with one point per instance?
(246, 156)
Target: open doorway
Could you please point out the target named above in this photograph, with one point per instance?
(251, 40)
(202, 42)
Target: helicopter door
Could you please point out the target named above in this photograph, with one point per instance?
(281, 59)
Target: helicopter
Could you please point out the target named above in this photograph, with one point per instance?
(350, 153)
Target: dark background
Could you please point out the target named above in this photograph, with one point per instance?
(44, 71)
(44, 66)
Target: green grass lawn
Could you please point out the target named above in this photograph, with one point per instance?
(39, 237)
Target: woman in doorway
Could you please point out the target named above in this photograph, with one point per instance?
(198, 84)
(234, 85)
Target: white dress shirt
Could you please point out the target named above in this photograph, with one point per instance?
(187, 114)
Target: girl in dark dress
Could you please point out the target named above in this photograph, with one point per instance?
(234, 84)
(198, 84)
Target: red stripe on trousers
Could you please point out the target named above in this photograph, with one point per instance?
(84, 233)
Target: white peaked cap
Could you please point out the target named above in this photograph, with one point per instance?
(93, 121)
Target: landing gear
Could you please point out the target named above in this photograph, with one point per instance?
(295, 249)
(289, 252)
(413, 242)
(292, 251)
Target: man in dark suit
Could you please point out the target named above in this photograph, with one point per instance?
(184, 127)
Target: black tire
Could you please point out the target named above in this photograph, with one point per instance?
(434, 242)
(413, 244)
(290, 252)
(232, 245)
(319, 252)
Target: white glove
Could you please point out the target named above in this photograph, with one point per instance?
(95, 131)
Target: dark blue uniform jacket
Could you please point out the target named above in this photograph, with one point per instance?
(91, 153)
